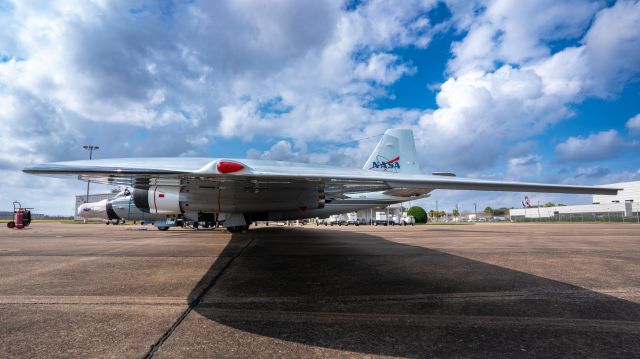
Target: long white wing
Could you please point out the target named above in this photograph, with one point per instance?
(175, 171)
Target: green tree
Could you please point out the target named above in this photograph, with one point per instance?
(456, 213)
(418, 213)
(549, 204)
(500, 211)
(488, 210)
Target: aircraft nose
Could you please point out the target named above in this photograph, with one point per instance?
(84, 210)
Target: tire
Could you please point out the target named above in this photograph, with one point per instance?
(11, 224)
(163, 228)
(238, 229)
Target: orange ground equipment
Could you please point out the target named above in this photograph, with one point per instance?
(21, 216)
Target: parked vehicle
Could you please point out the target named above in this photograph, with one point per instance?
(337, 219)
(408, 221)
(352, 219)
(381, 219)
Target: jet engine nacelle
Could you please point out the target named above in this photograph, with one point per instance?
(158, 199)
(200, 199)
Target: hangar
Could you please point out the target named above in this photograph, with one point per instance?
(623, 206)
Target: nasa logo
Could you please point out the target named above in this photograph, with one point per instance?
(393, 164)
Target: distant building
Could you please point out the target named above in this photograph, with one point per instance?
(630, 193)
(625, 204)
(369, 214)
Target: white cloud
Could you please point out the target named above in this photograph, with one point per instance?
(516, 32)
(280, 151)
(480, 113)
(524, 167)
(634, 123)
(597, 146)
(382, 68)
(599, 175)
(486, 110)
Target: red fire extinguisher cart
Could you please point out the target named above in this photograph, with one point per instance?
(21, 216)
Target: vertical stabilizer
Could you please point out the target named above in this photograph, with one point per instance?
(395, 153)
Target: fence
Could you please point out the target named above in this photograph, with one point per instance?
(617, 217)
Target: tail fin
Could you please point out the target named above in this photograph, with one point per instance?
(396, 153)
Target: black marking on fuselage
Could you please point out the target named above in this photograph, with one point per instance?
(110, 212)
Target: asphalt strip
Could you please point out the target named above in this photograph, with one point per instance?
(194, 303)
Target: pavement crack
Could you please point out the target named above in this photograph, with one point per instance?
(194, 303)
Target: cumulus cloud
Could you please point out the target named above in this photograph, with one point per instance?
(597, 146)
(591, 172)
(634, 123)
(599, 175)
(515, 32)
(524, 167)
(382, 68)
(492, 100)
(280, 151)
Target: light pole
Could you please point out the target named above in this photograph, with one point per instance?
(475, 211)
(90, 148)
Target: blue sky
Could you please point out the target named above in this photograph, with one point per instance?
(542, 91)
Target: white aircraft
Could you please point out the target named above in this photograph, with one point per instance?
(120, 208)
(240, 191)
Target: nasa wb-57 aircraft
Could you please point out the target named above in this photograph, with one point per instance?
(239, 191)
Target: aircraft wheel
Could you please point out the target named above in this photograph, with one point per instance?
(163, 228)
(11, 224)
(238, 229)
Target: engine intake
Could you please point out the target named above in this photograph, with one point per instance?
(158, 199)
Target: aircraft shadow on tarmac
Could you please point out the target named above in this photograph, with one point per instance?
(361, 293)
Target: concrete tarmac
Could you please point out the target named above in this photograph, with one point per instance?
(484, 290)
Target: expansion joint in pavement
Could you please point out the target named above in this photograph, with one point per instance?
(194, 303)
